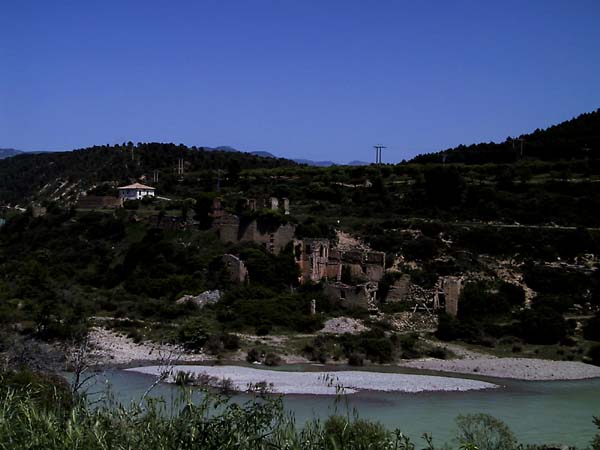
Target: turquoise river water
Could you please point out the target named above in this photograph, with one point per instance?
(536, 411)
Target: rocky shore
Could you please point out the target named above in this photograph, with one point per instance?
(108, 348)
(113, 349)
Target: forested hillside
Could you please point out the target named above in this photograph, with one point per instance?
(25, 175)
(574, 139)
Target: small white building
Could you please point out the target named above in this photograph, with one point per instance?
(135, 191)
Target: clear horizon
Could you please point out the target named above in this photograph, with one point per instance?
(313, 80)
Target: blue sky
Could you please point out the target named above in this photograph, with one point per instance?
(314, 79)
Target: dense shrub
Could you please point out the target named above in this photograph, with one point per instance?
(262, 309)
(484, 432)
(542, 325)
(192, 335)
(445, 187)
(253, 355)
(271, 359)
(594, 354)
(421, 249)
(591, 330)
(483, 299)
(356, 359)
(342, 433)
(557, 281)
(448, 327)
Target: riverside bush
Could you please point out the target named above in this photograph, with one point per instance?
(484, 432)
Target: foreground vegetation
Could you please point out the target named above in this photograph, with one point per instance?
(40, 412)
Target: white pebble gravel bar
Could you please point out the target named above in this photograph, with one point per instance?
(324, 383)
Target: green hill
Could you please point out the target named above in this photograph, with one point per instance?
(27, 175)
(577, 138)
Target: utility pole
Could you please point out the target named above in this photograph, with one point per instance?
(180, 166)
(155, 176)
(378, 149)
(521, 140)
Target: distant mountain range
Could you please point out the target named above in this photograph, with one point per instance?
(8, 152)
(310, 162)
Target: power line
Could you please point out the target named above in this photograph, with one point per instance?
(378, 149)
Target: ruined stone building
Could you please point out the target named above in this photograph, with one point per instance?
(353, 296)
(400, 290)
(272, 203)
(236, 268)
(319, 261)
(447, 294)
(364, 265)
(217, 208)
(230, 230)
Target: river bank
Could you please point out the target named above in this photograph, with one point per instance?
(110, 349)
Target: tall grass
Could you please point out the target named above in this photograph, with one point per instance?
(215, 422)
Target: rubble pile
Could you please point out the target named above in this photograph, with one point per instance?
(343, 325)
(417, 321)
(205, 298)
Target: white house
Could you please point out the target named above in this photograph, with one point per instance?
(135, 191)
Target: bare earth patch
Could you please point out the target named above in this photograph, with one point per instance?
(343, 325)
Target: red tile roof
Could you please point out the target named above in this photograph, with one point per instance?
(136, 186)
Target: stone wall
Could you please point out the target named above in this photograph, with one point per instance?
(400, 290)
(447, 294)
(359, 296)
(281, 238)
(375, 265)
(312, 257)
(452, 287)
(236, 268)
(318, 260)
(228, 228)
